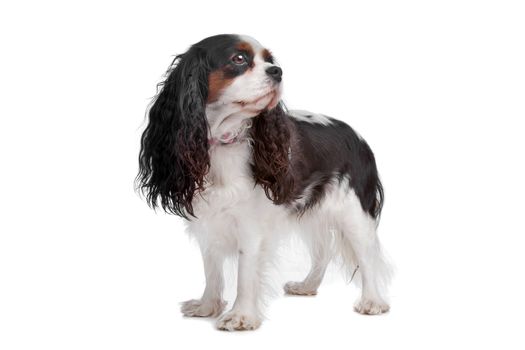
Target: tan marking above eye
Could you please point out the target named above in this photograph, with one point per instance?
(245, 47)
(267, 55)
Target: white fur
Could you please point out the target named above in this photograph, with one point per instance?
(236, 219)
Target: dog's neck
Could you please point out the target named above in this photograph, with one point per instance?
(233, 136)
(227, 122)
(230, 164)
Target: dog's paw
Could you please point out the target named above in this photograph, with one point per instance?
(202, 308)
(371, 307)
(298, 288)
(237, 321)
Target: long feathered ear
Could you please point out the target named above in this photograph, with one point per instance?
(273, 141)
(174, 156)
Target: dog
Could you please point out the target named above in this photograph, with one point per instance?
(222, 151)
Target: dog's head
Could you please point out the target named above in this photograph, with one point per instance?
(242, 77)
(209, 93)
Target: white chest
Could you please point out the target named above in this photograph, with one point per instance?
(230, 184)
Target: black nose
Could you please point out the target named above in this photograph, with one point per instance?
(275, 72)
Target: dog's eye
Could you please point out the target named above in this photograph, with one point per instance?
(239, 59)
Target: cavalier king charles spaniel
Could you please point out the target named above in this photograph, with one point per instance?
(222, 151)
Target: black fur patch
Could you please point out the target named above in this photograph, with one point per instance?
(320, 151)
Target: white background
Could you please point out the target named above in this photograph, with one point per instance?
(436, 87)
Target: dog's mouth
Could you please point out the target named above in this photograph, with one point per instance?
(266, 101)
(257, 100)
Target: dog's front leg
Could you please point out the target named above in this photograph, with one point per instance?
(245, 313)
(211, 303)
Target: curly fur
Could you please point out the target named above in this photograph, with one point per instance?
(272, 134)
(174, 158)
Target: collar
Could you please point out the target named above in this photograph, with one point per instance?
(232, 137)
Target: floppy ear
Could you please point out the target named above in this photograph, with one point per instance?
(174, 147)
(272, 134)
